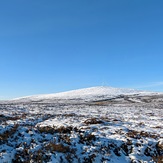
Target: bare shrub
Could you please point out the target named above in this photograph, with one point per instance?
(158, 159)
(9, 133)
(86, 138)
(138, 135)
(57, 147)
(54, 129)
(93, 121)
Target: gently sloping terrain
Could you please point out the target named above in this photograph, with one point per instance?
(94, 127)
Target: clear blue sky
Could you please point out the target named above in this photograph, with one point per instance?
(50, 46)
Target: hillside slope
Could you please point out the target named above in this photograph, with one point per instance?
(86, 93)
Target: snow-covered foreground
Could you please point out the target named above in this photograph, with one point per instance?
(122, 129)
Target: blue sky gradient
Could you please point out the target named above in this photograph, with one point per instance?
(53, 46)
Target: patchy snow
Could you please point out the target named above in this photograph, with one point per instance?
(123, 129)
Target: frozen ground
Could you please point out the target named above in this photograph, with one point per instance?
(98, 124)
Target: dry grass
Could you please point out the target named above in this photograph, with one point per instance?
(86, 138)
(54, 129)
(138, 135)
(13, 118)
(101, 103)
(57, 147)
(158, 159)
(93, 121)
(8, 133)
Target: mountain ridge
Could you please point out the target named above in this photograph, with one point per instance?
(86, 93)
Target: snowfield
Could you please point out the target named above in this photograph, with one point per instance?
(88, 93)
(98, 125)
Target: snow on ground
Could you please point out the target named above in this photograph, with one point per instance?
(128, 131)
(85, 93)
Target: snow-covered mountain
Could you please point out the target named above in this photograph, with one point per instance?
(86, 93)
